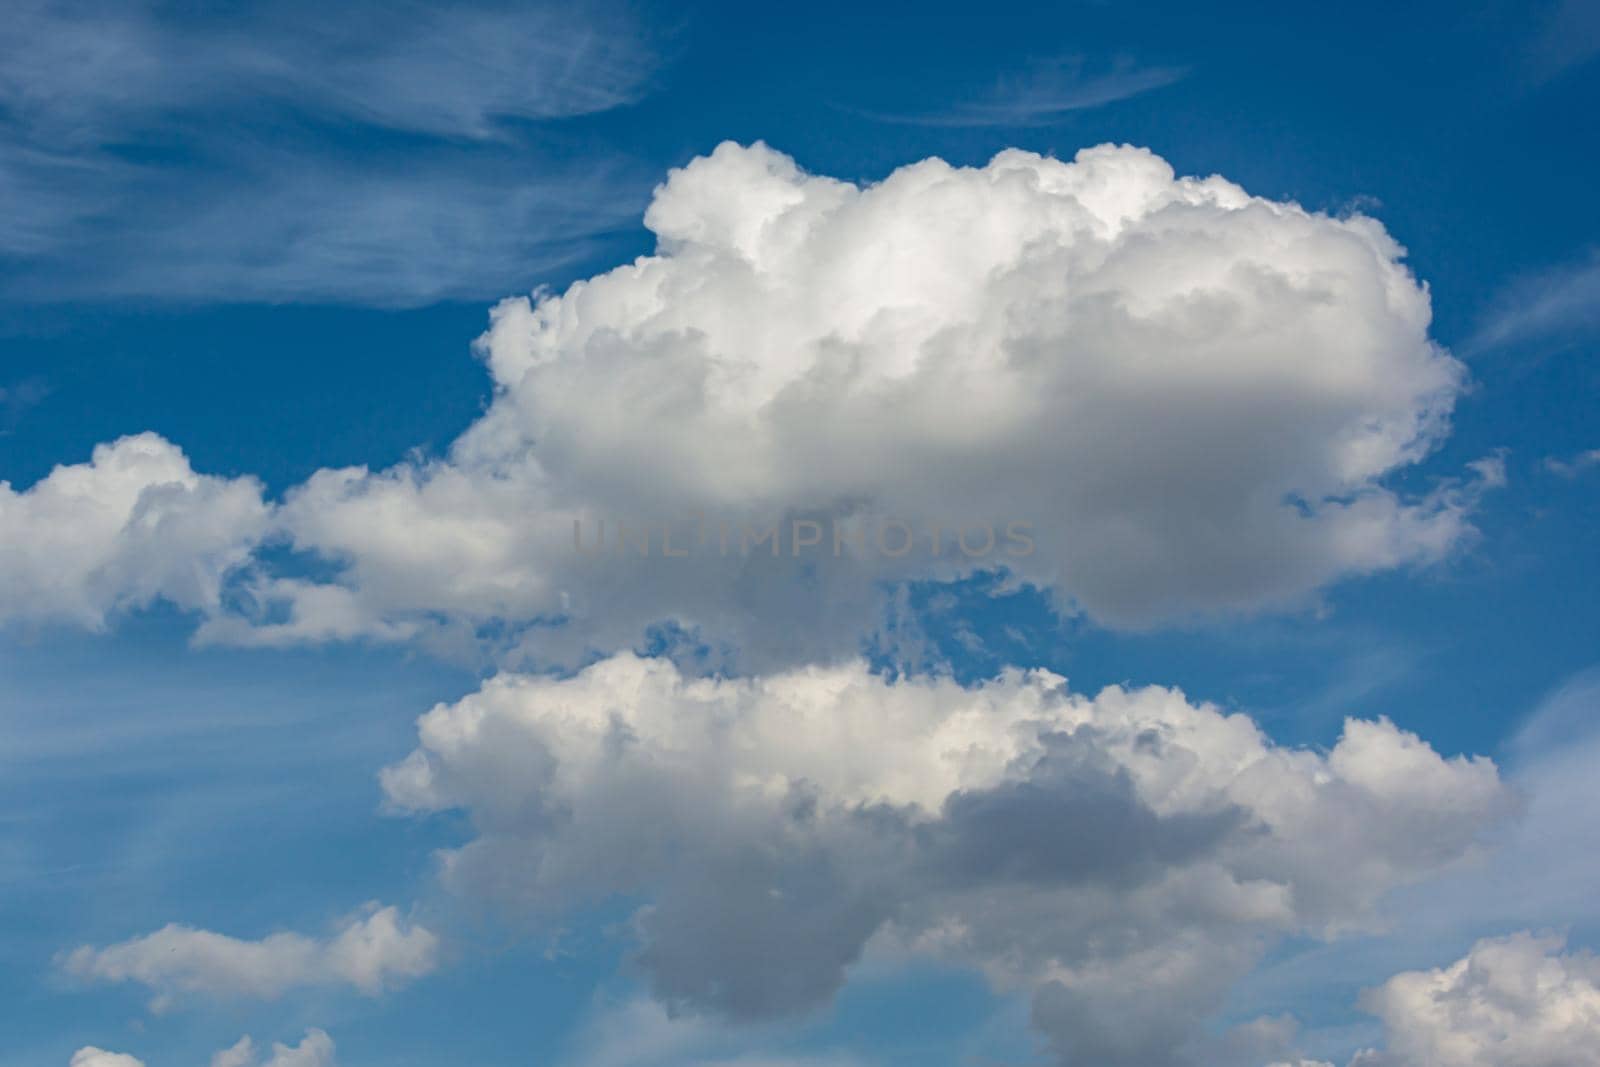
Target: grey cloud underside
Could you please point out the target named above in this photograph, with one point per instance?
(789, 916)
(1198, 399)
(1074, 819)
(1125, 859)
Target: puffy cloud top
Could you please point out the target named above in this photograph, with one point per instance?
(1512, 1000)
(1094, 345)
(90, 1056)
(134, 524)
(1191, 398)
(1191, 394)
(1124, 856)
(316, 1049)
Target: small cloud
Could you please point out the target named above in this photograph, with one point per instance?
(89, 1056)
(314, 1050)
(1574, 466)
(1516, 999)
(370, 953)
(240, 1054)
(1491, 471)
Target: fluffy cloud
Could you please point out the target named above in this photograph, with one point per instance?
(370, 952)
(241, 1054)
(1194, 398)
(132, 525)
(96, 1057)
(1155, 397)
(314, 1050)
(1124, 857)
(1513, 1000)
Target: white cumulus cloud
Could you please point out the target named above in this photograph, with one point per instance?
(371, 952)
(1511, 1000)
(133, 525)
(1191, 397)
(1155, 397)
(1124, 857)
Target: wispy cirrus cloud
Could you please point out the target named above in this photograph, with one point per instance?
(1045, 92)
(287, 225)
(372, 154)
(90, 72)
(1552, 306)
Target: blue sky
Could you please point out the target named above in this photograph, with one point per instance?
(272, 235)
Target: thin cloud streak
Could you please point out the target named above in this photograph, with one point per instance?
(1573, 467)
(90, 74)
(1047, 93)
(1552, 306)
(141, 157)
(305, 229)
